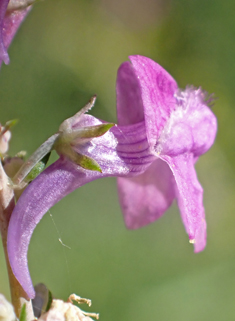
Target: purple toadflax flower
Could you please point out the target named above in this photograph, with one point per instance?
(160, 134)
(12, 14)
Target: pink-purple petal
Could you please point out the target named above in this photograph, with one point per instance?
(130, 109)
(9, 23)
(157, 90)
(189, 197)
(145, 198)
(3, 52)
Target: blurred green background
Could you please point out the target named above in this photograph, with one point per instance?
(68, 50)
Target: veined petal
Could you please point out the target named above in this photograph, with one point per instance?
(157, 91)
(130, 109)
(145, 198)
(189, 197)
(123, 147)
(121, 151)
(145, 91)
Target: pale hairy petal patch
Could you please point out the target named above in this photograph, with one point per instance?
(191, 127)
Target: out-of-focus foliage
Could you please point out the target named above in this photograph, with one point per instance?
(68, 50)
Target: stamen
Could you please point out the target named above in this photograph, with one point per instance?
(92, 315)
(192, 241)
(78, 299)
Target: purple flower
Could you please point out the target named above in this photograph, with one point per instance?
(10, 19)
(160, 135)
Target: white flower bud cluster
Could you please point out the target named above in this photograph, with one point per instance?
(6, 310)
(64, 311)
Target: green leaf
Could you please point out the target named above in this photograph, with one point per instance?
(23, 314)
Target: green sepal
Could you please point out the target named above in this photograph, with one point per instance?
(88, 132)
(23, 314)
(38, 168)
(11, 123)
(89, 163)
(84, 161)
(67, 123)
